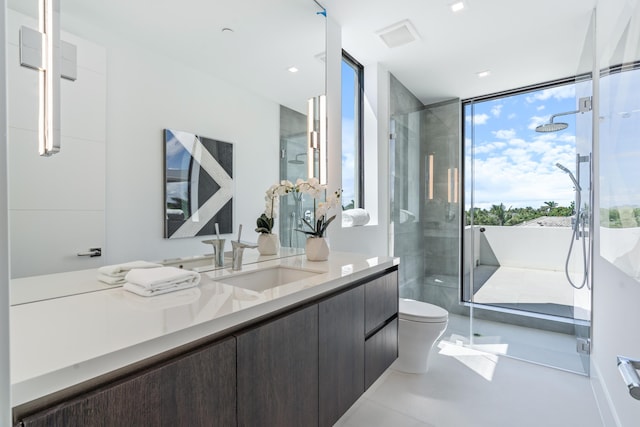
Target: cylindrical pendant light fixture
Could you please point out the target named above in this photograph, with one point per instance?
(49, 79)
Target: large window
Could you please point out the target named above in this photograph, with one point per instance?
(352, 136)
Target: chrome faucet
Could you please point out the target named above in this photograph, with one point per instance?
(218, 248)
(238, 248)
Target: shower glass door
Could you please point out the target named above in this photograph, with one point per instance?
(527, 222)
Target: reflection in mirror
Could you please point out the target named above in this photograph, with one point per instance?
(214, 70)
(620, 191)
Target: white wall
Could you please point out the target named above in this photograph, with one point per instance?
(5, 373)
(147, 93)
(372, 239)
(542, 248)
(56, 203)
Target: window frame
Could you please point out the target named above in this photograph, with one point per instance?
(359, 125)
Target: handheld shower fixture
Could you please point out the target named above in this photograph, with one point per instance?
(573, 178)
(580, 227)
(584, 105)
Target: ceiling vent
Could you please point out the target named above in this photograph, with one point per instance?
(398, 34)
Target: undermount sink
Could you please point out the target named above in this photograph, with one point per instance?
(267, 278)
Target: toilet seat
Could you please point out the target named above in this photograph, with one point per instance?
(418, 311)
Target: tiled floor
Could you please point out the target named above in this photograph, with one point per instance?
(534, 286)
(466, 387)
(530, 344)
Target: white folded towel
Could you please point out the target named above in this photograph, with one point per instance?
(120, 270)
(161, 277)
(158, 290)
(111, 280)
(355, 217)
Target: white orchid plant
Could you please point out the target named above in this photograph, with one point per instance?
(272, 198)
(311, 187)
(316, 190)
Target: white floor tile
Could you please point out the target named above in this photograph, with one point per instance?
(369, 413)
(471, 388)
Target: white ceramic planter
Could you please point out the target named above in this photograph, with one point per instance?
(317, 249)
(268, 244)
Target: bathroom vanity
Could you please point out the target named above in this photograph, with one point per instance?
(235, 351)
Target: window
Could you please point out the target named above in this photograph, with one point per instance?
(352, 135)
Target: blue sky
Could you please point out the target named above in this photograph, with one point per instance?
(348, 136)
(513, 163)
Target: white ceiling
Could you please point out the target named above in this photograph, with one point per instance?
(520, 42)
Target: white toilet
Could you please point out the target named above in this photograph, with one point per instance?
(421, 325)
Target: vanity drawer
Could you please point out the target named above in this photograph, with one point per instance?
(380, 350)
(381, 301)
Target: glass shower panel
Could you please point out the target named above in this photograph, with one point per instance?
(425, 203)
(293, 165)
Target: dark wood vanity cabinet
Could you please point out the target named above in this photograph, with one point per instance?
(278, 372)
(341, 353)
(381, 325)
(304, 367)
(197, 389)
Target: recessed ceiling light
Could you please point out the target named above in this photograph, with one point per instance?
(457, 6)
(482, 74)
(293, 69)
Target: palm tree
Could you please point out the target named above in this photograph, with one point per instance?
(549, 205)
(499, 212)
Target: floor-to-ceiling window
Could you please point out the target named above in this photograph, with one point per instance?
(352, 133)
(527, 187)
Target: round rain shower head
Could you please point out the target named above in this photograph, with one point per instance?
(297, 161)
(552, 127)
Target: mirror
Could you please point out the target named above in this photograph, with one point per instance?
(223, 70)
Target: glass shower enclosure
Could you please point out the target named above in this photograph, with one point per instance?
(444, 178)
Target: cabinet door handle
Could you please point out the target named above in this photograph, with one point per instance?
(93, 252)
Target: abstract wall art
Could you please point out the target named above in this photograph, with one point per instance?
(198, 185)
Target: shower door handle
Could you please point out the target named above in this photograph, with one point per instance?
(628, 369)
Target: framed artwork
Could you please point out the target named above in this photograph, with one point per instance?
(198, 185)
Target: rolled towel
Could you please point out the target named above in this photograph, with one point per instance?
(152, 278)
(355, 217)
(158, 290)
(120, 270)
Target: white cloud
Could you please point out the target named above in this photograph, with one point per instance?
(496, 110)
(517, 181)
(490, 147)
(504, 133)
(540, 107)
(536, 121)
(560, 92)
(523, 173)
(512, 116)
(480, 119)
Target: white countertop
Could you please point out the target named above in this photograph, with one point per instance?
(64, 341)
